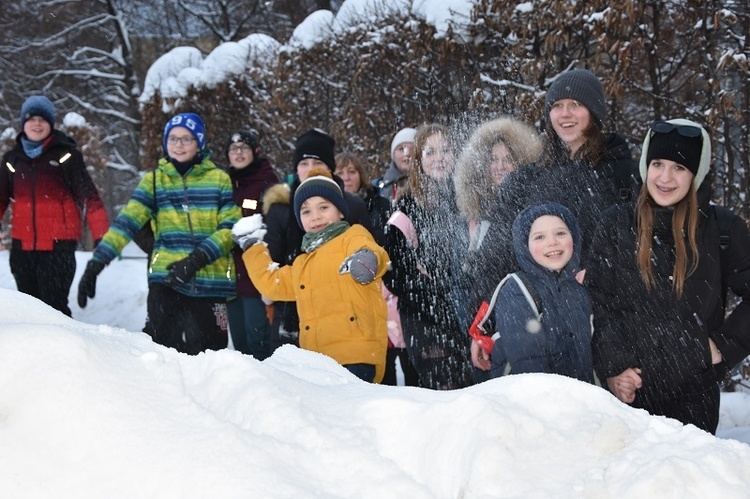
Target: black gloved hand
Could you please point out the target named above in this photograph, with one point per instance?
(87, 284)
(183, 270)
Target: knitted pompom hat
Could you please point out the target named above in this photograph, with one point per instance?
(250, 138)
(319, 183)
(583, 86)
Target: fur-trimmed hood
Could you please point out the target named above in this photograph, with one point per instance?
(475, 193)
(279, 193)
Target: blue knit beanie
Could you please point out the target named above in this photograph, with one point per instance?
(319, 183)
(192, 122)
(581, 85)
(38, 105)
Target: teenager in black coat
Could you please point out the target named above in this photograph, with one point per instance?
(661, 342)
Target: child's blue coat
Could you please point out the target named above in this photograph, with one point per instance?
(560, 341)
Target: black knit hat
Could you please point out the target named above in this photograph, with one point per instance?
(581, 85)
(676, 147)
(249, 137)
(315, 144)
(319, 183)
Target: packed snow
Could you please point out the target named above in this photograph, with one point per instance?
(176, 71)
(90, 407)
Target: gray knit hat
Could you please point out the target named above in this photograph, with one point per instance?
(581, 85)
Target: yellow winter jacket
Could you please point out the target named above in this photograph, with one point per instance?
(339, 317)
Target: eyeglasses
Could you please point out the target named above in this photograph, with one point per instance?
(684, 130)
(181, 140)
(239, 149)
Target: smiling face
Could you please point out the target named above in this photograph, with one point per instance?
(350, 175)
(501, 163)
(437, 158)
(36, 129)
(550, 242)
(317, 213)
(181, 145)
(570, 119)
(667, 182)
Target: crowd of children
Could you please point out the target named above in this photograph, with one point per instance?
(517, 253)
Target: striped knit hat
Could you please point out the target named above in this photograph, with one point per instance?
(319, 183)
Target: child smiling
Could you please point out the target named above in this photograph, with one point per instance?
(336, 282)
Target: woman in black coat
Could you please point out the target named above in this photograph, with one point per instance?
(583, 169)
(661, 342)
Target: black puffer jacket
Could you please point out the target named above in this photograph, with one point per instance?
(666, 337)
(586, 191)
(443, 237)
(379, 209)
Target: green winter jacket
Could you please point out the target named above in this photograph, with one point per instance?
(186, 213)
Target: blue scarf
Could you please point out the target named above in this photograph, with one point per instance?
(31, 148)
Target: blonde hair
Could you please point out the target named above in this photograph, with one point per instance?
(684, 222)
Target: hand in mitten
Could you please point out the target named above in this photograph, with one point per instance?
(183, 270)
(87, 284)
(248, 231)
(362, 265)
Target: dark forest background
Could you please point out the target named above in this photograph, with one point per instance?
(657, 60)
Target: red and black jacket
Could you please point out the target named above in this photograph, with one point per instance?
(49, 194)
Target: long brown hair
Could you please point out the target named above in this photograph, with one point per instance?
(590, 152)
(418, 179)
(684, 222)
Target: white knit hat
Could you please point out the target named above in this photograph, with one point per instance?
(403, 135)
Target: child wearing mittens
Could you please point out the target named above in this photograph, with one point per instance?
(336, 282)
(543, 318)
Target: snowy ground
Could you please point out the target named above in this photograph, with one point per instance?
(90, 408)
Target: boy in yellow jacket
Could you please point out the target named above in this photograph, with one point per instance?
(336, 282)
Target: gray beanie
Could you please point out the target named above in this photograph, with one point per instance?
(581, 85)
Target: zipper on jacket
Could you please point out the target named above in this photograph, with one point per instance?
(33, 201)
(186, 209)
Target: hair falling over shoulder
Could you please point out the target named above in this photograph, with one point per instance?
(591, 152)
(684, 223)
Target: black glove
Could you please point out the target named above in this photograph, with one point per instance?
(87, 284)
(183, 270)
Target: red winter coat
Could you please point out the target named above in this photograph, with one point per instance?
(49, 193)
